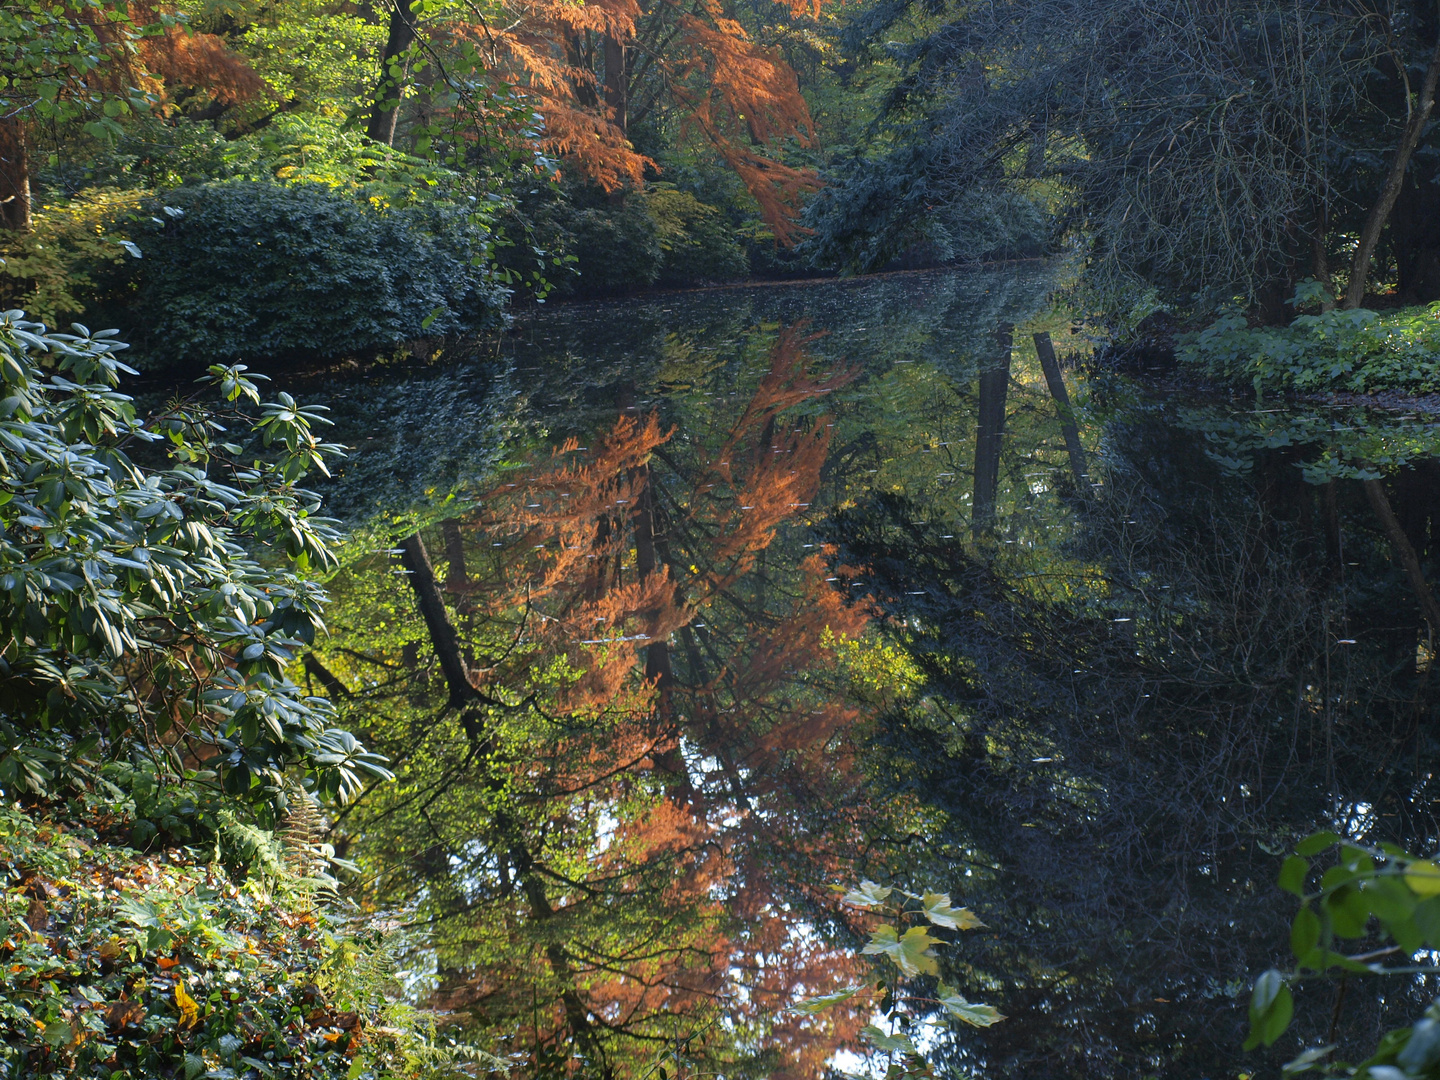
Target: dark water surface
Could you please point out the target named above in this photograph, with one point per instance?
(746, 636)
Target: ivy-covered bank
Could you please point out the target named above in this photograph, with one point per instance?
(1358, 351)
(181, 961)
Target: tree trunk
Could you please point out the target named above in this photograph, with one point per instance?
(385, 108)
(1380, 212)
(14, 176)
(1400, 544)
(657, 653)
(989, 431)
(616, 82)
(1330, 515)
(1056, 381)
(416, 561)
(328, 679)
(457, 578)
(582, 59)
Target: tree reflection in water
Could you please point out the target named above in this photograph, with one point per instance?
(736, 642)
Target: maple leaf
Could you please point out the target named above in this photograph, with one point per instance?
(811, 1006)
(973, 1014)
(911, 951)
(868, 895)
(938, 911)
(889, 1043)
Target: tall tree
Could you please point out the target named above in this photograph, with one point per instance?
(595, 70)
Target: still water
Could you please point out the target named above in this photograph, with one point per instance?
(694, 617)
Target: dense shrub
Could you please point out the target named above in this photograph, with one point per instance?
(1360, 351)
(124, 965)
(243, 269)
(661, 235)
(616, 248)
(133, 607)
(696, 244)
(78, 254)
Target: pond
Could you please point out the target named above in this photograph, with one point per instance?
(702, 619)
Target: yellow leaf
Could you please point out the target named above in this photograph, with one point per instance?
(188, 1006)
(1423, 877)
(912, 952)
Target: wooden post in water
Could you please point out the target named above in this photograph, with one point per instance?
(1056, 381)
(990, 431)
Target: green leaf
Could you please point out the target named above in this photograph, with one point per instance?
(891, 1044)
(912, 952)
(1348, 911)
(1316, 843)
(1304, 932)
(938, 910)
(1271, 1007)
(1423, 877)
(968, 1011)
(868, 895)
(1306, 1061)
(811, 1006)
(1427, 920)
(1292, 875)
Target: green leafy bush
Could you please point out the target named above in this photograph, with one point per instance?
(616, 248)
(1359, 351)
(246, 269)
(77, 254)
(150, 152)
(660, 235)
(125, 966)
(1365, 912)
(696, 243)
(134, 611)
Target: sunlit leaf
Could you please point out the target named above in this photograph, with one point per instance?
(188, 1006)
(938, 910)
(811, 1006)
(1306, 1061)
(912, 952)
(968, 1011)
(868, 895)
(891, 1044)
(1423, 877)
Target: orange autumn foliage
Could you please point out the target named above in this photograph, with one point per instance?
(166, 56)
(729, 788)
(691, 57)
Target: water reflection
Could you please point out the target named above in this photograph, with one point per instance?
(698, 622)
(619, 720)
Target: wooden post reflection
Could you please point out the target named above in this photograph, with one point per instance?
(990, 431)
(1056, 381)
